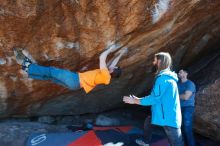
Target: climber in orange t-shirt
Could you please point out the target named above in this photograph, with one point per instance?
(73, 80)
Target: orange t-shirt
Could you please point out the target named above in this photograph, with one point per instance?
(89, 79)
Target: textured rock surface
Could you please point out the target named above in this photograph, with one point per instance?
(72, 33)
(207, 99)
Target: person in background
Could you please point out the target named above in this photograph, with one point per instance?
(164, 102)
(187, 90)
(73, 80)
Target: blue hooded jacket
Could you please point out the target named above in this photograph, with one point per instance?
(164, 100)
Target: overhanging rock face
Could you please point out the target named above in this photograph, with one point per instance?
(71, 34)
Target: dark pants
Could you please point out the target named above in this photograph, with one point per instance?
(174, 135)
(187, 125)
(59, 76)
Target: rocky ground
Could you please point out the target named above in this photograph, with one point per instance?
(15, 131)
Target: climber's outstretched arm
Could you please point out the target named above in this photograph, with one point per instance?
(104, 55)
(114, 61)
